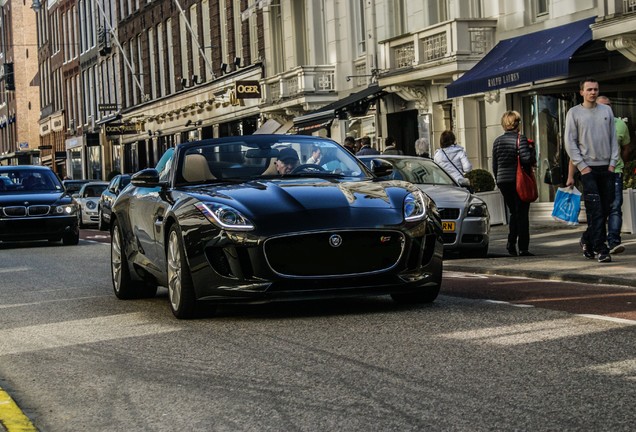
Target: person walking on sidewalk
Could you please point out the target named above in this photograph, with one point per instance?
(504, 164)
(452, 157)
(590, 142)
(615, 218)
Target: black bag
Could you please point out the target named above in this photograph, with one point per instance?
(553, 176)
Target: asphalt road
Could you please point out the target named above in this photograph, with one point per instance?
(76, 358)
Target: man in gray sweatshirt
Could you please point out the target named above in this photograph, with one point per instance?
(590, 141)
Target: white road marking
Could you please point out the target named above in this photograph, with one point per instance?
(625, 369)
(542, 331)
(85, 331)
(14, 269)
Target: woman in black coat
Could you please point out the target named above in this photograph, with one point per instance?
(504, 165)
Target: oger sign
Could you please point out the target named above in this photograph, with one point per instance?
(247, 90)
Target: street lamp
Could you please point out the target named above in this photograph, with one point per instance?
(36, 5)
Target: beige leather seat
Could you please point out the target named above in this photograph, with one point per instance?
(196, 168)
(271, 168)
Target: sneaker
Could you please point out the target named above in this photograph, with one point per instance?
(587, 251)
(604, 257)
(619, 248)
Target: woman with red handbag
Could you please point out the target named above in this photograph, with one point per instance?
(509, 151)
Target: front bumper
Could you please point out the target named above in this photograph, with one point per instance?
(246, 273)
(37, 228)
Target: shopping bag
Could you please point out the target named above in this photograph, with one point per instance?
(526, 185)
(567, 205)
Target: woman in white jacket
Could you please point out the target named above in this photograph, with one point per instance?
(452, 157)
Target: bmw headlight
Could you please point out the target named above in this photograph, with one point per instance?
(477, 208)
(91, 205)
(414, 206)
(66, 209)
(225, 216)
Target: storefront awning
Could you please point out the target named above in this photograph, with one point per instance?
(532, 57)
(355, 104)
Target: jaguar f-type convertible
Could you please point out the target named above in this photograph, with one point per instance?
(272, 217)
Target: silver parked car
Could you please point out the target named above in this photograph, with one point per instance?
(88, 199)
(465, 217)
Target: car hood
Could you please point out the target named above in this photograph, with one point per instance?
(447, 196)
(32, 199)
(321, 202)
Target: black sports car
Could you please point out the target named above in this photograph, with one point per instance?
(247, 219)
(34, 206)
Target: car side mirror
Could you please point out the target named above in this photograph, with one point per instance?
(148, 177)
(381, 168)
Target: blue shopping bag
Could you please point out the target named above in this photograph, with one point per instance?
(567, 205)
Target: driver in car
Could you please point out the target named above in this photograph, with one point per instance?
(287, 161)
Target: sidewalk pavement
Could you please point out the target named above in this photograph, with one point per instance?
(558, 256)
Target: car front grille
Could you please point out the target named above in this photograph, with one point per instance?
(334, 253)
(449, 213)
(23, 211)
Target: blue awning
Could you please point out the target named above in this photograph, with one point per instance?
(523, 59)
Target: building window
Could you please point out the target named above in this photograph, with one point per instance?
(161, 55)
(153, 61)
(278, 42)
(396, 14)
(542, 7)
(300, 29)
(359, 25)
(194, 41)
(223, 28)
(170, 45)
(238, 30)
(207, 37)
(184, 38)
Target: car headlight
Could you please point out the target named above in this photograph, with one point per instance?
(91, 205)
(414, 206)
(477, 208)
(66, 209)
(225, 216)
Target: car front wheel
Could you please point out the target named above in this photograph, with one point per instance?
(180, 286)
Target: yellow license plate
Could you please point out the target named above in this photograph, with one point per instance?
(448, 226)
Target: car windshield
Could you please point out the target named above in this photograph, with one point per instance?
(418, 171)
(259, 157)
(93, 191)
(17, 181)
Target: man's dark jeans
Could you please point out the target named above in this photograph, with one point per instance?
(598, 194)
(615, 221)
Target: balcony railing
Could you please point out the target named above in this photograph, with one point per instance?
(302, 80)
(449, 41)
(629, 6)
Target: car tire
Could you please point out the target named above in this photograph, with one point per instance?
(124, 285)
(180, 285)
(81, 222)
(423, 295)
(101, 225)
(71, 238)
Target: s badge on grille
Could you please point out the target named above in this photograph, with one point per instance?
(335, 240)
(384, 239)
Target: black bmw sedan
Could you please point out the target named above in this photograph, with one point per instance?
(34, 206)
(254, 219)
